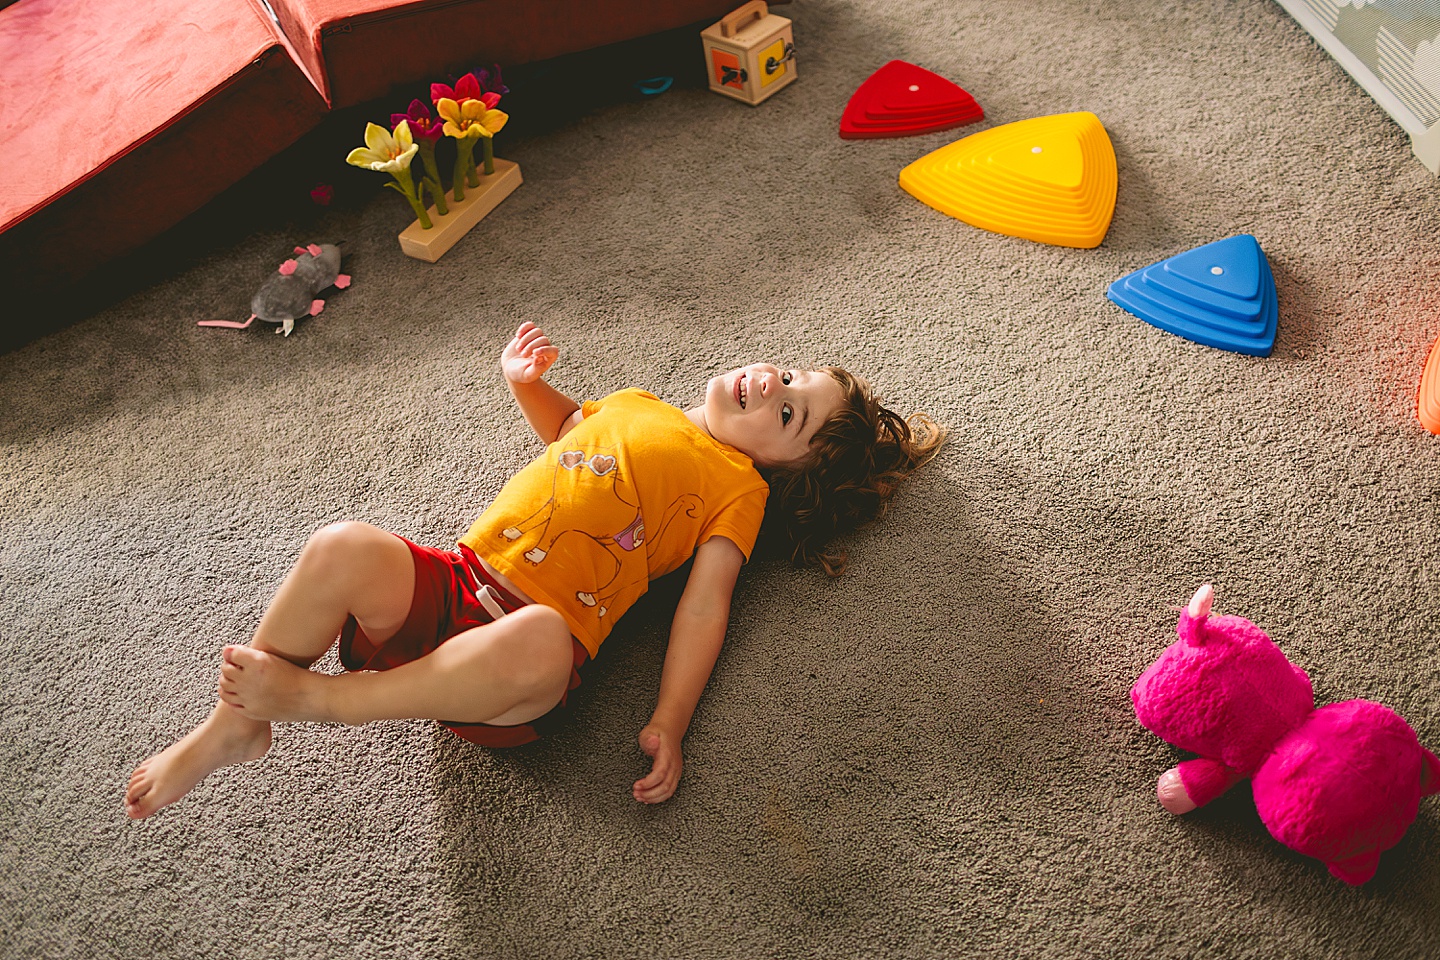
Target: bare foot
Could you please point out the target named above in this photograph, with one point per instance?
(262, 686)
(221, 741)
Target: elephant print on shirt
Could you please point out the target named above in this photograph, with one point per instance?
(593, 520)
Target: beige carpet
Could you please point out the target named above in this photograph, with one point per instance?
(932, 757)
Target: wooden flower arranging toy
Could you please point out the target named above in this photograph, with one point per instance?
(901, 100)
(468, 116)
(1048, 179)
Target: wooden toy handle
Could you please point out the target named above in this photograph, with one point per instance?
(731, 23)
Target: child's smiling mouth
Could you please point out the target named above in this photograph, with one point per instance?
(740, 390)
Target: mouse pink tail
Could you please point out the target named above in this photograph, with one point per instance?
(227, 323)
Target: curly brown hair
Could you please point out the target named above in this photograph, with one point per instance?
(856, 462)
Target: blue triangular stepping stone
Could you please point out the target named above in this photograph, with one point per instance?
(1221, 295)
(1208, 328)
(1147, 288)
(1237, 258)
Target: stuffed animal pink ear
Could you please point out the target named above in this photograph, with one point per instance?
(1191, 626)
(1200, 604)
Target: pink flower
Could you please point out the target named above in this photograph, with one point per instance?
(423, 126)
(466, 88)
(323, 194)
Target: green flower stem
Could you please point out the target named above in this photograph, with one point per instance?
(405, 186)
(438, 193)
(471, 176)
(462, 166)
(432, 173)
(489, 155)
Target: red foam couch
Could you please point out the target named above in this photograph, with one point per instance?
(123, 118)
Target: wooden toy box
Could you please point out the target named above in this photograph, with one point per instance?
(750, 53)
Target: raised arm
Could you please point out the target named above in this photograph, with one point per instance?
(696, 636)
(524, 361)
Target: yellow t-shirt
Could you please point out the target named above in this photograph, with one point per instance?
(626, 496)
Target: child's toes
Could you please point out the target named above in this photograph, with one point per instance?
(242, 658)
(139, 786)
(137, 808)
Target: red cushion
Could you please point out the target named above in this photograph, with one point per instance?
(360, 50)
(125, 117)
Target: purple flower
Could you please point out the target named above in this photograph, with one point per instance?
(423, 126)
(490, 80)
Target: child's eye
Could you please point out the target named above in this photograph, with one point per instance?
(785, 378)
(785, 414)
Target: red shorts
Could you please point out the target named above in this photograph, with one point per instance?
(451, 596)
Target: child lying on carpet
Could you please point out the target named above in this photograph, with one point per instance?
(489, 639)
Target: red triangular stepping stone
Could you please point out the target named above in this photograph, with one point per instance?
(901, 99)
(910, 116)
(880, 117)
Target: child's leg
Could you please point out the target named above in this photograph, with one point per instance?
(345, 569)
(507, 672)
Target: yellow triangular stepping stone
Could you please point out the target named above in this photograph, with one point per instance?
(1049, 179)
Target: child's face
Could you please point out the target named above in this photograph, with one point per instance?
(769, 414)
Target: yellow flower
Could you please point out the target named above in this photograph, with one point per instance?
(470, 120)
(460, 118)
(383, 152)
(493, 120)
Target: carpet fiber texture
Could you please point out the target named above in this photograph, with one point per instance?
(932, 756)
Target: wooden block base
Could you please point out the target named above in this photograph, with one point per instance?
(430, 245)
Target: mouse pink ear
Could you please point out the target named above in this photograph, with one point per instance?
(1429, 773)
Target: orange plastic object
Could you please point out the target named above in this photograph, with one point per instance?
(1048, 179)
(1427, 405)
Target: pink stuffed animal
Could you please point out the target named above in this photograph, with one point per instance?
(1341, 783)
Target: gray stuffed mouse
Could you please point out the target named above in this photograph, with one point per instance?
(290, 293)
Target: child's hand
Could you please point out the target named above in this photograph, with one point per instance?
(663, 748)
(526, 358)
